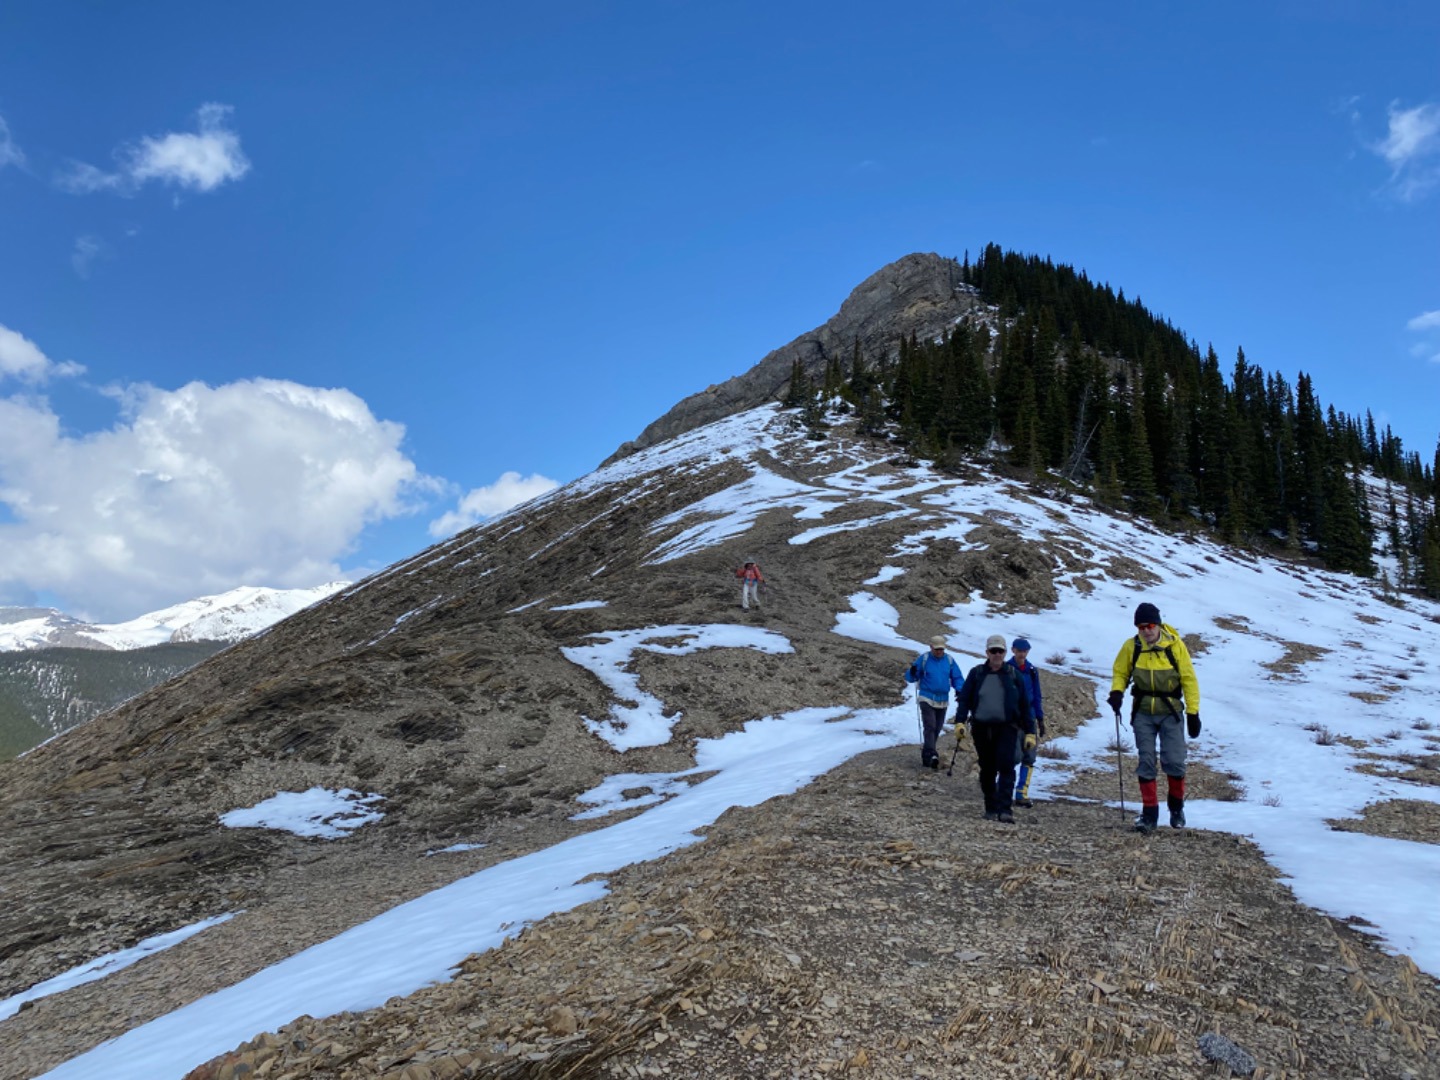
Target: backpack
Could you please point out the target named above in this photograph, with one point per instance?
(1169, 651)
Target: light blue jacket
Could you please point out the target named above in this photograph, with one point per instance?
(935, 677)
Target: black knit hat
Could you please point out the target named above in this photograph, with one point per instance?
(1147, 612)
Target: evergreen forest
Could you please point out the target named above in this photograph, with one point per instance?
(1079, 384)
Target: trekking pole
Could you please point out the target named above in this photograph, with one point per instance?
(956, 752)
(1119, 765)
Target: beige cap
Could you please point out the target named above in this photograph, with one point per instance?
(938, 641)
(994, 641)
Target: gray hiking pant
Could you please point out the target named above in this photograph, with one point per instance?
(749, 590)
(1170, 730)
(932, 723)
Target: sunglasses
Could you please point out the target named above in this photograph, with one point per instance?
(1147, 625)
(995, 650)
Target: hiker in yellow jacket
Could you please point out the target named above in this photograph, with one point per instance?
(1164, 687)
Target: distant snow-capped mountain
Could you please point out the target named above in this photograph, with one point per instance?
(230, 616)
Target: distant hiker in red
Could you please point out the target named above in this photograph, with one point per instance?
(750, 581)
(1164, 686)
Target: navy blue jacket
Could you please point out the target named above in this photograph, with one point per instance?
(1031, 674)
(1017, 698)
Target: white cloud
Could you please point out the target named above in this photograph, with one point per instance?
(194, 491)
(1426, 324)
(511, 489)
(201, 160)
(21, 358)
(87, 250)
(1413, 139)
(10, 154)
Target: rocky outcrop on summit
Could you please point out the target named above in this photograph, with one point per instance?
(919, 294)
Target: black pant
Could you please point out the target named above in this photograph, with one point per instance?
(932, 722)
(998, 748)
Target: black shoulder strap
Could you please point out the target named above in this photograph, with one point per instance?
(1135, 657)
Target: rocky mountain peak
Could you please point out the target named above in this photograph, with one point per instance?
(921, 294)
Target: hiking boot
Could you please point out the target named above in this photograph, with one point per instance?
(1005, 817)
(1177, 812)
(934, 763)
(1024, 804)
(991, 815)
(1149, 819)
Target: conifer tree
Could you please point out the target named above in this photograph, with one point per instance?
(798, 392)
(1139, 467)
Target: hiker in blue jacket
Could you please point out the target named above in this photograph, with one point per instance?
(1020, 661)
(936, 673)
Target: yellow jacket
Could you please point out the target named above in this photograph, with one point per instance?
(1158, 683)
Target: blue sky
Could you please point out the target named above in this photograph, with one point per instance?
(332, 271)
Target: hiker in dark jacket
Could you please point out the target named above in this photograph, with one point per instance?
(1158, 664)
(1020, 661)
(996, 702)
(936, 673)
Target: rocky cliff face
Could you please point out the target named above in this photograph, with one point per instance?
(920, 294)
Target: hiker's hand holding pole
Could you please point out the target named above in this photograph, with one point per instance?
(1116, 699)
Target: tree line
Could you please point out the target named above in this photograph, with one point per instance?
(1081, 382)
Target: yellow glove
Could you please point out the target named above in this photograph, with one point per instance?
(1029, 742)
(960, 732)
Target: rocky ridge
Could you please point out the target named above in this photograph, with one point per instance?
(919, 294)
(868, 924)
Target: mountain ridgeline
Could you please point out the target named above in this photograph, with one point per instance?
(1070, 377)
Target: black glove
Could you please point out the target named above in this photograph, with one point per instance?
(1116, 699)
(1041, 723)
(1192, 724)
(914, 673)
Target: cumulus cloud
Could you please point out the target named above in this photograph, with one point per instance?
(201, 160)
(194, 491)
(10, 154)
(21, 358)
(1427, 320)
(1410, 147)
(511, 489)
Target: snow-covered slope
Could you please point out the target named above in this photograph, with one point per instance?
(1317, 690)
(230, 616)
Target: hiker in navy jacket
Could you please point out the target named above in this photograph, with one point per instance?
(1020, 661)
(936, 673)
(997, 704)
